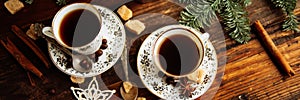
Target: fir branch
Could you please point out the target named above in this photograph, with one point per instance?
(198, 15)
(243, 2)
(235, 21)
(231, 11)
(216, 5)
(188, 1)
(61, 2)
(288, 6)
(29, 1)
(291, 23)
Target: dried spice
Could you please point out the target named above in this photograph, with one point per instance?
(186, 87)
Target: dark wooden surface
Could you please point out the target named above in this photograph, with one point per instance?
(244, 71)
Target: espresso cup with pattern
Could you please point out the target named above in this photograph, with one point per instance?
(77, 27)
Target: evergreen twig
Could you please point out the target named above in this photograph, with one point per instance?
(288, 6)
(201, 13)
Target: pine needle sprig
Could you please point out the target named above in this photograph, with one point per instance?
(243, 2)
(29, 1)
(236, 22)
(58, 2)
(188, 1)
(198, 15)
(61, 2)
(291, 23)
(231, 11)
(288, 6)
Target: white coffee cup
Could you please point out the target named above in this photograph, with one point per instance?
(54, 31)
(190, 34)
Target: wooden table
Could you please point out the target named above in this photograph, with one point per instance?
(245, 71)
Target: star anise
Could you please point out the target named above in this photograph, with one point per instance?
(186, 88)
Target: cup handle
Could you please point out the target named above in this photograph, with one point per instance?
(205, 36)
(48, 32)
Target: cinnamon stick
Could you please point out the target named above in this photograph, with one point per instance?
(22, 60)
(31, 45)
(275, 53)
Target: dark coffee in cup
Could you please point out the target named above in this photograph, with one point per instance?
(178, 52)
(179, 55)
(79, 27)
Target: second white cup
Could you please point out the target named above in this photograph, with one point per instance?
(179, 50)
(77, 27)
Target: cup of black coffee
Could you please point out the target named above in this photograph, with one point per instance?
(78, 27)
(179, 50)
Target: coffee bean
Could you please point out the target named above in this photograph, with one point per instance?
(103, 46)
(104, 41)
(98, 53)
(96, 59)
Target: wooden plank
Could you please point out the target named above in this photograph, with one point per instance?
(259, 78)
(249, 70)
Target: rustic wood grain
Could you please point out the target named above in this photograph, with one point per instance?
(250, 72)
(246, 71)
(269, 45)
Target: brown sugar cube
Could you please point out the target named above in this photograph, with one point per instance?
(31, 32)
(78, 80)
(127, 86)
(13, 6)
(124, 12)
(135, 26)
(141, 98)
(197, 76)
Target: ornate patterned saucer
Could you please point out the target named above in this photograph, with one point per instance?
(148, 72)
(115, 35)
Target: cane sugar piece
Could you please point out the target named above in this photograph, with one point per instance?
(135, 26)
(78, 80)
(124, 12)
(31, 32)
(141, 98)
(127, 86)
(13, 6)
(197, 76)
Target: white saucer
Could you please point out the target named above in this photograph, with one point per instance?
(115, 35)
(148, 72)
